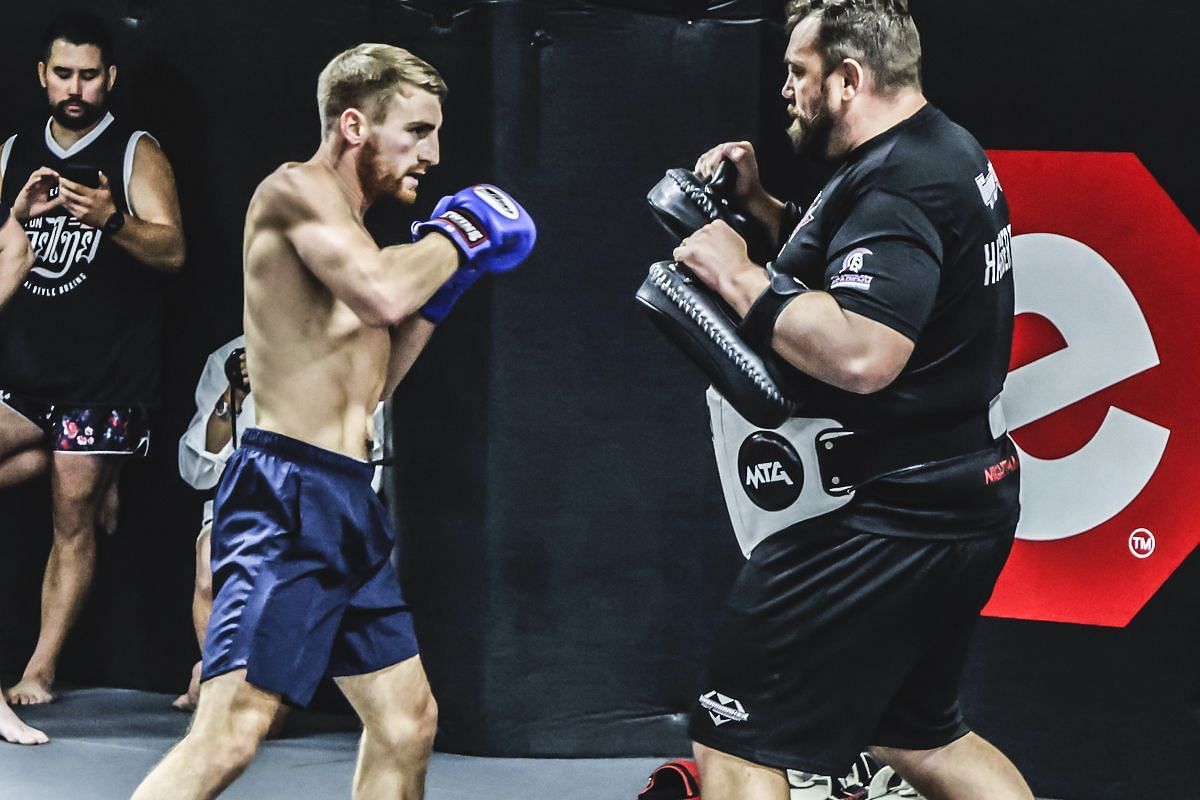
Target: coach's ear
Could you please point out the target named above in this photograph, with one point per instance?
(849, 77)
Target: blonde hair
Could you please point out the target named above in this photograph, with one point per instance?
(365, 77)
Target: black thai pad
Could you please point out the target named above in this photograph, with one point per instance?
(691, 317)
(683, 203)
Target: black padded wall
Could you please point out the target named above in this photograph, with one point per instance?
(547, 512)
(562, 534)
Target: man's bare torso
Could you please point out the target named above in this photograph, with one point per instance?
(316, 370)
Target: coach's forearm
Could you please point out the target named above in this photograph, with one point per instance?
(768, 210)
(156, 245)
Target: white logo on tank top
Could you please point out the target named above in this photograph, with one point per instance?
(61, 244)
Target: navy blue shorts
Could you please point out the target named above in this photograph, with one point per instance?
(302, 577)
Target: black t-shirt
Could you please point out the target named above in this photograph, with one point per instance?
(3, 214)
(912, 231)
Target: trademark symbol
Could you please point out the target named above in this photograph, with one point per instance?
(1141, 543)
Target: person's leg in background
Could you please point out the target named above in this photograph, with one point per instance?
(78, 486)
(202, 599)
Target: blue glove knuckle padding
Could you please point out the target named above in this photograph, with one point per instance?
(491, 230)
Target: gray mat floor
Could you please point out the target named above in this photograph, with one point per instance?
(105, 740)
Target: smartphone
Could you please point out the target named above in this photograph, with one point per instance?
(78, 173)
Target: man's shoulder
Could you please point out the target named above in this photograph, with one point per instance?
(27, 135)
(939, 146)
(295, 192)
(934, 158)
(32, 128)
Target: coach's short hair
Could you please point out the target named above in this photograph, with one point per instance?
(880, 34)
(79, 27)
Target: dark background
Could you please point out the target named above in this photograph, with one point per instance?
(562, 533)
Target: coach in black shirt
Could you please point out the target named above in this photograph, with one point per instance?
(888, 312)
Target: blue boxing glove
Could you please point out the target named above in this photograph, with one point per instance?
(491, 231)
(489, 228)
(437, 307)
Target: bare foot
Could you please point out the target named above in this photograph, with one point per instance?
(187, 701)
(17, 732)
(31, 691)
(106, 515)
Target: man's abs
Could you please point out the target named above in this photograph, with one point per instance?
(316, 370)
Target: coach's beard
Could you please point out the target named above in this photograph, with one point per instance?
(810, 137)
(87, 116)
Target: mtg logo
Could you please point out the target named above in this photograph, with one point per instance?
(1099, 390)
(770, 471)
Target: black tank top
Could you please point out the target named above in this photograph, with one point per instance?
(85, 327)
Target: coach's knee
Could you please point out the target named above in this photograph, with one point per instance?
(707, 758)
(75, 531)
(76, 502)
(905, 761)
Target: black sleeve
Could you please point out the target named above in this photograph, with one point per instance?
(787, 223)
(884, 262)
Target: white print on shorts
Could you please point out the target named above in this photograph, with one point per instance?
(723, 709)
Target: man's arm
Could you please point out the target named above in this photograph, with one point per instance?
(813, 333)
(409, 338)
(383, 286)
(200, 465)
(16, 257)
(207, 443)
(748, 191)
(842, 348)
(153, 230)
(154, 233)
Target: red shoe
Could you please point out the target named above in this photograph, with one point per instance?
(675, 780)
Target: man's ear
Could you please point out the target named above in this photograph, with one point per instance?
(853, 76)
(354, 126)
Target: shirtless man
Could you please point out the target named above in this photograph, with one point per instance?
(300, 543)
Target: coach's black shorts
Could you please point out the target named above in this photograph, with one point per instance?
(834, 640)
(90, 429)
